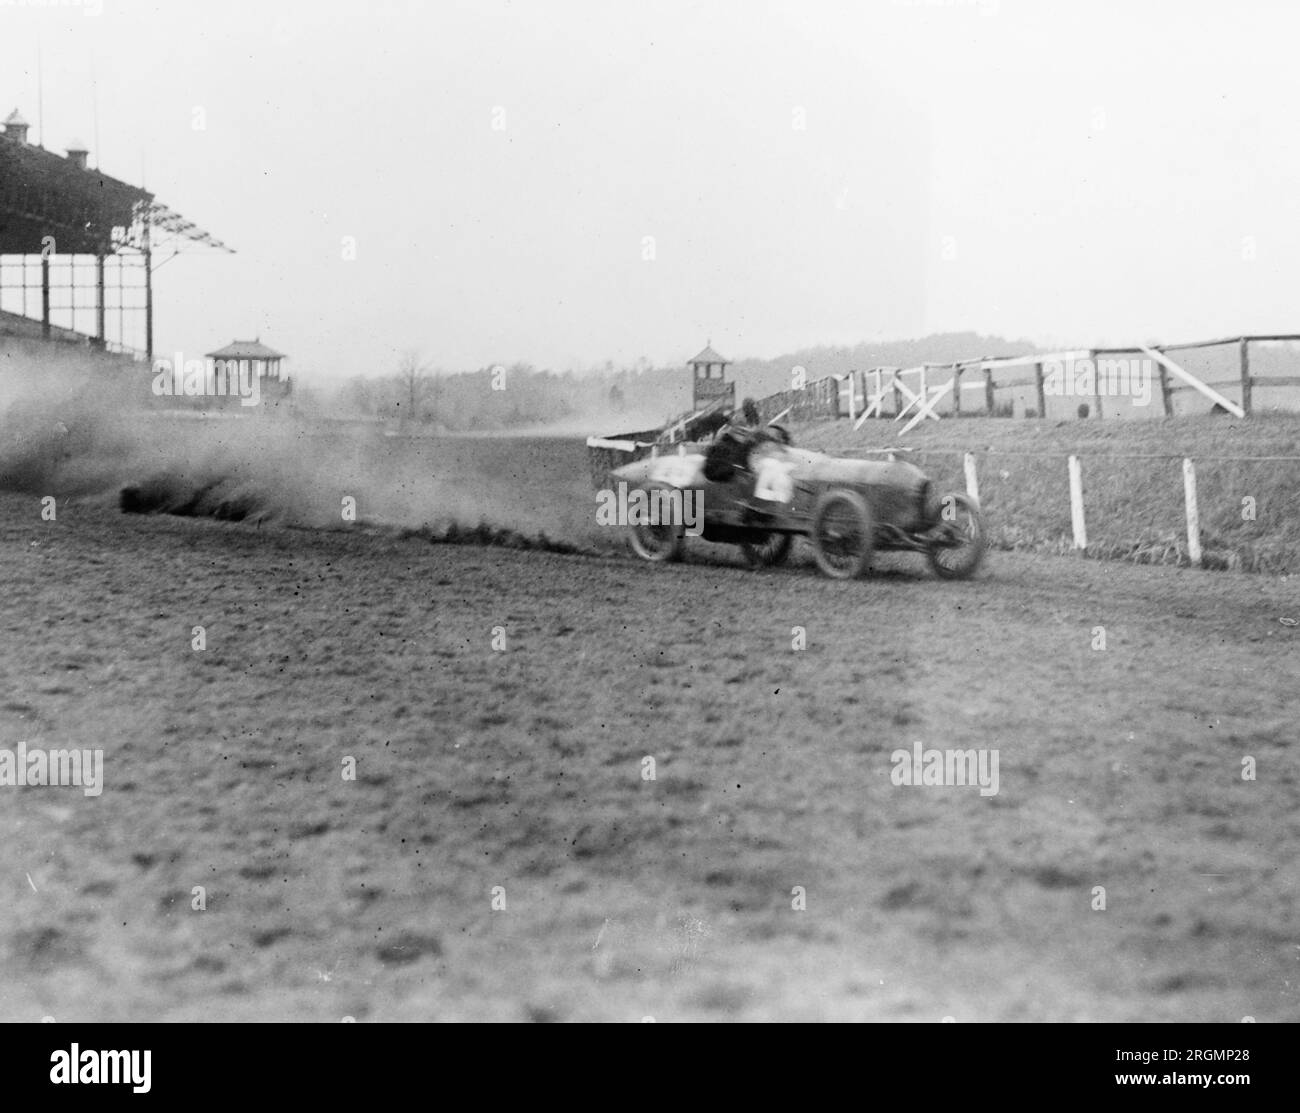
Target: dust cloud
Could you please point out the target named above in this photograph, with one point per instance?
(75, 424)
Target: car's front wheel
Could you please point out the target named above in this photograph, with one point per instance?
(958, 539)
(843, 533)
(656, 543)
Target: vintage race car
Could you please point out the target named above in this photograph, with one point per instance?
(758, 491)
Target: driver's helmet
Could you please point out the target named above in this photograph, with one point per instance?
(744, 423)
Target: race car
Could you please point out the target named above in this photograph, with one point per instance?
(758, 491)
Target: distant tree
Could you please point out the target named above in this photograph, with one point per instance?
(414, 374)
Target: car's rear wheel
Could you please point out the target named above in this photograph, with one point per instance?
(959, 541)
(771, 552)
(843, 533)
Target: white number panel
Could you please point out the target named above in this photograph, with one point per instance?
(676, 471)
(774, 480)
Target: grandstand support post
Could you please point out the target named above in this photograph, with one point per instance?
(1042, 390)
(1077, 523)
(148, 293)
(1193, 514)
(956, 390)
(1245, 376)
(988, 391)
(1166, 392)
(100, 334)
(45, 296)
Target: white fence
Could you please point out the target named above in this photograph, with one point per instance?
(1074, 467)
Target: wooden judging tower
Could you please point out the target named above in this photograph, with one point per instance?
(711, 385)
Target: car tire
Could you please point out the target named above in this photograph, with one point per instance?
(843, 533)
(963, 561)
(658, 544)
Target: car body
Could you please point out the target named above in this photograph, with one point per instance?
(760, 492)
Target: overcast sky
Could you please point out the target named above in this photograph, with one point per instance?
(570, 181)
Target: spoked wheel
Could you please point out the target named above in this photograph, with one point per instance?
(656, 543)
(843, 534)
(771, 552)
(959, 541)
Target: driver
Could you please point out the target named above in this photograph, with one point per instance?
(729, 454)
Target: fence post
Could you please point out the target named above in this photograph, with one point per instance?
(1246, 382)
(1193, 514)
(1042, 390)
(1096, 382)
(1166, 392)
(972, 477)
(1076, 505)
(988, 390)
(956, 390)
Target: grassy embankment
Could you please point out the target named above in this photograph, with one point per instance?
(1132, 482)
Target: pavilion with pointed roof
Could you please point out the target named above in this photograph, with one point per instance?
(709, 379)
(252, 355)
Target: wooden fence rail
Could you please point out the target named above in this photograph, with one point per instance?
(888, 392)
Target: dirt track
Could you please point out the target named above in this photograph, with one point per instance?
(624, 897)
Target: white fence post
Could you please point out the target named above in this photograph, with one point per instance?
(972, 477)
(1076, 505)
(1193, 515)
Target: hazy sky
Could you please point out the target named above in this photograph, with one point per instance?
(566, 182)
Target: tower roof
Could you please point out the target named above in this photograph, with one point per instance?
(708, 356)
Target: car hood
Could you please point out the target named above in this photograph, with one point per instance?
(687, 469)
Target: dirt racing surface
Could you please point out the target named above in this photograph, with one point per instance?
(502, 853)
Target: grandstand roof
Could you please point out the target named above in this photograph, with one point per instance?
(87, 212)
(43, 194)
